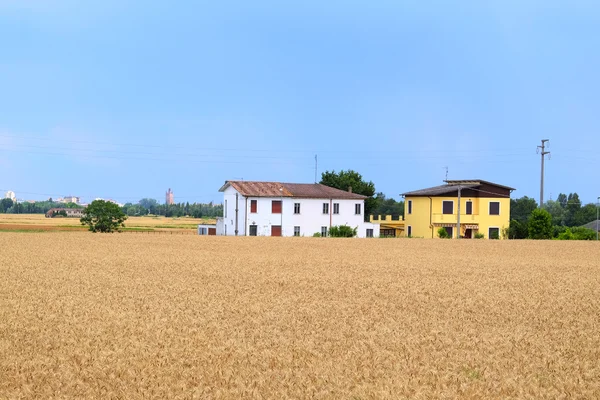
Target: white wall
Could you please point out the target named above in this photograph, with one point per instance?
(310, 220)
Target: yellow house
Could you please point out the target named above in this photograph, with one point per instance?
(484, 208)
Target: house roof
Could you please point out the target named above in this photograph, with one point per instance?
(451, 187)
(281, 189)
(592, 225)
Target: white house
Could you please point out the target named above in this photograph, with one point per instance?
(290, 209)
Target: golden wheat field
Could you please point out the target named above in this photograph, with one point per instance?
(28, 222)
(194, 317)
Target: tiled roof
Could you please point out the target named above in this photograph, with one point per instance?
(280, 189)
(476, 182)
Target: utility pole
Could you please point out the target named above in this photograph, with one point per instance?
(543, 153)
(458, 216)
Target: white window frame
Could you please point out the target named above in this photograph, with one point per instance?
(336, 208)
(296, 204)
(409, 206)
(494, 227)
(324, 231)
(358, 207)
(370, 233)
(447, 201)
(296, 231)
(409, 230)
(326, 206)
(490, 208)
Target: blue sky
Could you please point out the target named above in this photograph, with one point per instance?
(124, 99)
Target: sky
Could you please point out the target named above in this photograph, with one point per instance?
(125, 99)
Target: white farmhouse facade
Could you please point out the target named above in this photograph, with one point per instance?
(290, 209)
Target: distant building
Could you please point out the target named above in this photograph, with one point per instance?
(71, 199)
(71, 212)
(10, 195)
(169, 197)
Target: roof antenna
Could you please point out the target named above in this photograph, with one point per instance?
(446, 173)
(316, 165)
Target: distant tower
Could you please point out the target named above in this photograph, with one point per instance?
(170, 197)
(10, 195)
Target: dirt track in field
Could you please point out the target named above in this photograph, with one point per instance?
(143, 316)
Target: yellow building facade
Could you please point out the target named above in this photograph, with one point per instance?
(484, 209)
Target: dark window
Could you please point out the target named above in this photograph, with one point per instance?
(494, 233)
(449, 231)
(409, 231)
(357, 209)
(296, 231)
(296, 208)
(448, 207)
(494, 208)
(469, 208)
(387, 232)
(275, 230)
(325, 208)
(253, 230)
(324, 231)
(253, 206)
(276, 207)
(369, 232)
(410, 206)
(336, 208)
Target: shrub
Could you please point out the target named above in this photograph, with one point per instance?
(540, 224)
(343, 231)
(479, 235)
(317, 234)
(566, 235)
(581, 233)
(494, 235)
(443, 233)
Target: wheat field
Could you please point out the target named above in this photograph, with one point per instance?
(191, 317)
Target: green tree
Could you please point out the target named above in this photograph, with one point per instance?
(518, 230)
(557, 212)
(103, 216)
(540, 224)
(345, 180)
(521, 209)
(387, 206)
(5, 204)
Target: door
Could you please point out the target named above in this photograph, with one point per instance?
(275, 230)
(468, 233)
(212, 231)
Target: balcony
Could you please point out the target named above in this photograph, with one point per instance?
(439, 218)
(394, 219)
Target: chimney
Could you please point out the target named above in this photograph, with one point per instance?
(350, 189)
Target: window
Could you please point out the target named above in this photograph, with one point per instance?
(253, 230)
(469, 208)
(276, 207)
(253, 205)
(296, 231)
(202, 231)
(449, 231)
(324, 231)
(494, 233)
(336, 208)
(447, 207)
(410, 206)
(325, 208)
(369, 232)
(225, 210)
(409, 231)
(357, 209)
(296, 208)
(494, 208)
(275, 230)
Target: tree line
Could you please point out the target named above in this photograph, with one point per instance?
(562, 218)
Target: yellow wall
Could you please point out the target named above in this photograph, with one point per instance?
(422, 214)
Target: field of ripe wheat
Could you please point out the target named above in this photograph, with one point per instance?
(38, 222)
(134, 316)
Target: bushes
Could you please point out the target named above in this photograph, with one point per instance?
(540, 224)
(577, 234)
(443, 233)
(479, 235)
(343, 231)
